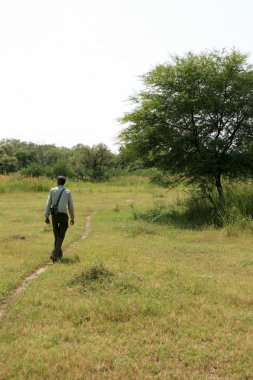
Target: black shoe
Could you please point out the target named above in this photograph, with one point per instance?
(53, 259)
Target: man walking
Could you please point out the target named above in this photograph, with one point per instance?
(59, 203)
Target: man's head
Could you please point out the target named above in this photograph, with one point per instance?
(61, 180)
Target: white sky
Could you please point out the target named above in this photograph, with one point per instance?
(67, 68)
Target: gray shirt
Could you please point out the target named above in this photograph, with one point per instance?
(65, 204)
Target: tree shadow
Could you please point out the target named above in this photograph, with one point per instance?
(179, 217)
(184, 220)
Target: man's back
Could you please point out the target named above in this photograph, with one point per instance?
(65, 204)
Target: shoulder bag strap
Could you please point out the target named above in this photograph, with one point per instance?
(58, 200)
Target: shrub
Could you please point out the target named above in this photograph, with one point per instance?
(33, 170)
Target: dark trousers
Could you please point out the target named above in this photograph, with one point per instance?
(60, 226)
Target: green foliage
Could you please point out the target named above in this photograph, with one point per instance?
(92, 163)
(84, 162)
(7, 164)
(164, 179)
(24, 156)
(33, 170)
(60, 167)
(194, 119)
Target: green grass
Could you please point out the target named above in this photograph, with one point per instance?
(135, 300)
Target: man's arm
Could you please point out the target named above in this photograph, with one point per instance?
(47, 208)
(71, 208)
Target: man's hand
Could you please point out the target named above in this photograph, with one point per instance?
(72, 222)
(47, 220)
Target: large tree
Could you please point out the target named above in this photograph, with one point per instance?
(194, 118)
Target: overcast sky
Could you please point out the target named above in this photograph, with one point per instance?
(67, 68)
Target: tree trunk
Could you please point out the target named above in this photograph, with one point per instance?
(219, 186)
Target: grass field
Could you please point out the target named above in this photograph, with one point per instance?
(134, 300)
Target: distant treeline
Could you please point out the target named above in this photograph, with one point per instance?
(82, 161)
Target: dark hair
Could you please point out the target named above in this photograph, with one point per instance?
(61, 180)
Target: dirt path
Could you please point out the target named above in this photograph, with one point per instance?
(26, 281)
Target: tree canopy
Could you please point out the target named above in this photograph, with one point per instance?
(81, 161)
(194, 118)
(92, 162)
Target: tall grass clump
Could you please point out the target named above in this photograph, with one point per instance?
(95, 273)
(16, 183)
(159, 213)
(195, 210)
(236, 209)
